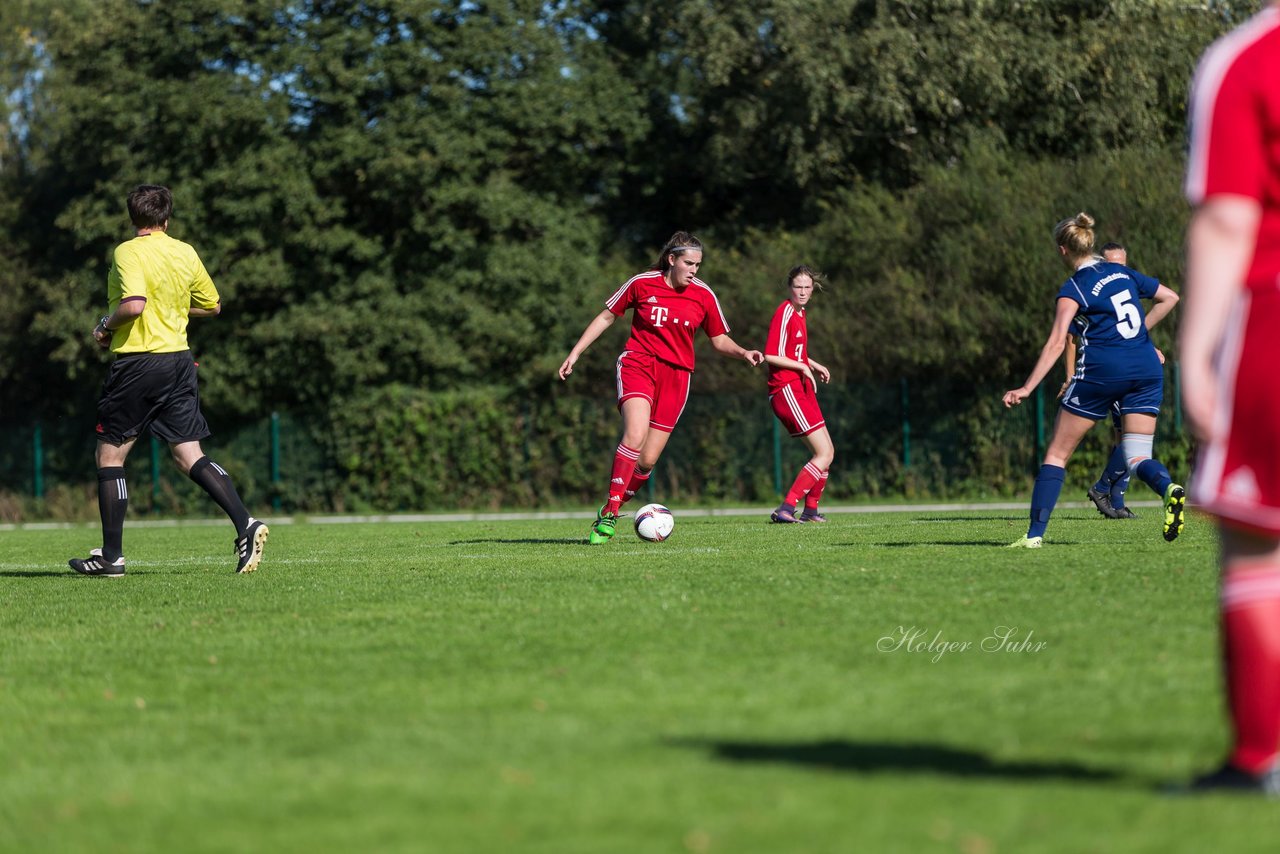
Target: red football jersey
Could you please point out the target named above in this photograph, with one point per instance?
(789, 338)
(665, 319)
(1235, 150)
(1235, 131)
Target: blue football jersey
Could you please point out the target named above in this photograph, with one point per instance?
(1111, 323)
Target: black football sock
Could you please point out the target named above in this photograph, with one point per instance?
(214, 480)
(113, 501)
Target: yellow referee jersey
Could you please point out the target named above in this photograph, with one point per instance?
(169, 275)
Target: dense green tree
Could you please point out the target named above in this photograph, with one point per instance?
(956, 277)
(773, 105)
(382, 190)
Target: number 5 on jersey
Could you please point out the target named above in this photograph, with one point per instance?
(1128, 319)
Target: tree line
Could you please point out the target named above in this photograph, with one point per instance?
(438, 195)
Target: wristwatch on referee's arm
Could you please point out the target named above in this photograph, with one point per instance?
(101, 334)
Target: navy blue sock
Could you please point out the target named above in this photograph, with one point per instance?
(1115, 479)
(1155, 475)
(1116, 468)
(1044, 496)
(1118, 489)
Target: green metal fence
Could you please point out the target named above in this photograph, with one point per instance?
(903, 438)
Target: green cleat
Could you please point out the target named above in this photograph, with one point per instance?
(1175, 499)
(603, 529)
(1026, 543)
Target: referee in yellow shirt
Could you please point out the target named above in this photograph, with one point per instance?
(155, 285)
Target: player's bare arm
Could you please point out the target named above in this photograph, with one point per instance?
(1220, 244)
(726, 346)
(125, 312)
(196, 311)
(820, 371)
(793, 365)
(1049, 354)
(1162, 303)
(595, 328)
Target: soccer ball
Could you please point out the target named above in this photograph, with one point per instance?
(654, 523)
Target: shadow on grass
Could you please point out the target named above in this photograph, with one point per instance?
(563, 541)
(905, 544)
(66, 573)
(871, 757)
(1004, 518)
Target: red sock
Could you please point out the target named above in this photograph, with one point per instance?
(1251, 648)
(638, 480)
(811, 500)
(624, 465)
(804, 482)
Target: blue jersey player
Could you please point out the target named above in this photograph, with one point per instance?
(1116, 365)
(1107, 494)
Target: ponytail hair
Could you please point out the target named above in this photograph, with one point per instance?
(1075, 235)
(680, 243)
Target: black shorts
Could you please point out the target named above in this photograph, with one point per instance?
(156, 390)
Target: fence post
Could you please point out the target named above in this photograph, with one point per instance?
(37, 453)
(777, 456)
(155, 475)
(275, 461)
(1039, 426)
(906, 427)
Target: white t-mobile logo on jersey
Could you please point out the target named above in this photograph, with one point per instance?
(657, 314)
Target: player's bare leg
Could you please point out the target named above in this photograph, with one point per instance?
(1068, 430)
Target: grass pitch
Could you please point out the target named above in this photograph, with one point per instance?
(502, 686)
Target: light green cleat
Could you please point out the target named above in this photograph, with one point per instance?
(1175, 501)
(603, 529)
(1027, 543)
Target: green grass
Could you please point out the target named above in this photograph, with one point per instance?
(501, 686)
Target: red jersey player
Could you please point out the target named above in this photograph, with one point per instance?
(793, 394)
(1231, 391)
(669, 305)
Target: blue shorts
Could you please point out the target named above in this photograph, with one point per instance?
(1095, 398)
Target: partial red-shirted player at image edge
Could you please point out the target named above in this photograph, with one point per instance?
(1228, 350)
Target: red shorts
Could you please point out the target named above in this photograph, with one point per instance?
(796, 405)
(1237, 477)
(666, 387)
